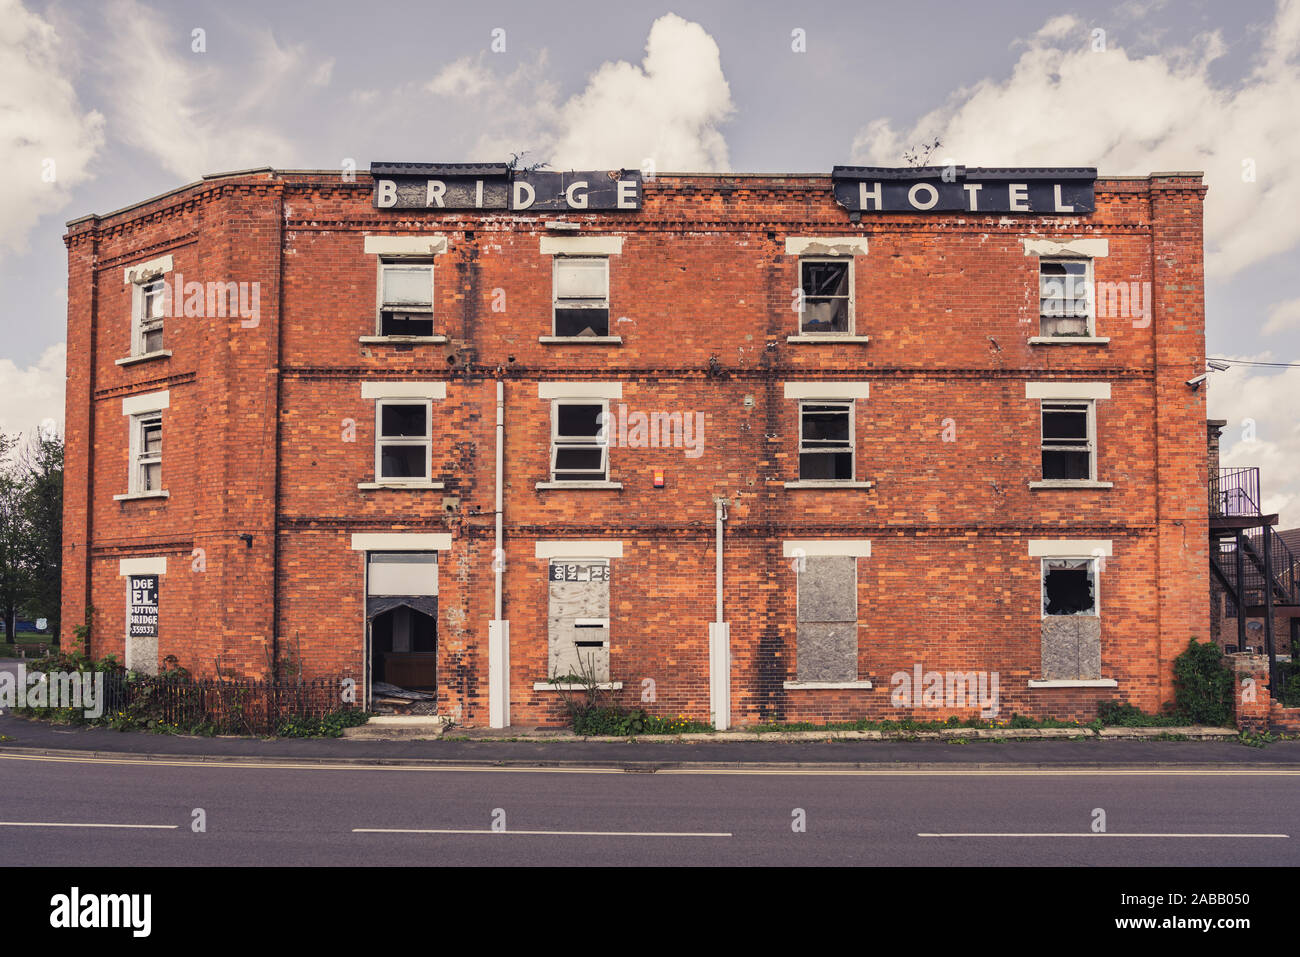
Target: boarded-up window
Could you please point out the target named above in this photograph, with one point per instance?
(828, 618)
(402, 573)
(578, 619)
(1071, 633)
(581, 296)
(406, 294)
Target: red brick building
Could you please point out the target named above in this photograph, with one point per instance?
(939, 421)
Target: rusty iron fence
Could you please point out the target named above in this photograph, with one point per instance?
(221, 705)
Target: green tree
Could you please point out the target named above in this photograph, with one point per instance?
(14, 580)
(31, 529)
(41, 463)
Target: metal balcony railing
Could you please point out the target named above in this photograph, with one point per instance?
(1234, 492)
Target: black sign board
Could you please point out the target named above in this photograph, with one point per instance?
(946, 189)
(473, 186)
(142, 607)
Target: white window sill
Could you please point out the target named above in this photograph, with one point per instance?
(371, 486)
(401, 340)
(541, 486)
(572, 686)
(827, 685)
(1068, 340)
(825, 484)
(826, 340)
(1070, 483)
(581, 340)
(132, 496)
(143, 357)
(1080, 683)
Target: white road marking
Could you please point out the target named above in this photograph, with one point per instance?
(1089, 834)
(154, 827)
(456, 830)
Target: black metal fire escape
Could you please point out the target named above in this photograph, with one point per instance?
(1251, 562)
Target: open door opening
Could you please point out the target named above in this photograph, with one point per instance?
(402, 632)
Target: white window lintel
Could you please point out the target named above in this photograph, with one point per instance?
(850, 547)
(827, 390)
(147, 402)
(578, 549)
(1067, 390)
(142, 566)
(1069, 547)
(146, 271)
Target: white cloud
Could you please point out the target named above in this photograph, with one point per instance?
(1262, 431)
(191, 115)
(40, 121)
(1065, 105)
(34, 393)
(667, 109)
(1282, 315)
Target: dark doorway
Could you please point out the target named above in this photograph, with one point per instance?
(404, 649)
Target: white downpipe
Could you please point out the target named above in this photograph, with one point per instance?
(720, 640)
(498, 628)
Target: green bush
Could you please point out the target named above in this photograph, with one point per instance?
(1203, 685)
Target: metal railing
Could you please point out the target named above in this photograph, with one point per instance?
(1234, 492)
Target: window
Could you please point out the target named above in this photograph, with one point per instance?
(146, 453)
(826, 287)
(581, 286)
(405, 298)
(579, 446)
(1069, 586)
(151, 307)
(826, 441)
(578, 620)
(1065, 299)
(827, 618)
(404, 440)
(1068, 442)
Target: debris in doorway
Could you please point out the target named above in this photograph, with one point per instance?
(383, 689)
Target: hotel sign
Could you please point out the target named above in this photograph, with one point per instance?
(947, 189)
(473, 186)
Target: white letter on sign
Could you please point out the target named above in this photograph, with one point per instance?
(1018, 197)
(434, 192)
(864, 195)
(911, 196)
(520, 201)
(1060, 205)
(627, 194)
(576, 202)
(387, 195)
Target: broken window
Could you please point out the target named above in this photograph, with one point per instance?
(581, 287)
(579, 446)
(1065, 297)
(827, 618)
(151, 309)
(578, 620)
(146, 471)
(826, 441)
(406, 298)
(404, 440)
(826, 287)
(1067, 440)
(1069, 586)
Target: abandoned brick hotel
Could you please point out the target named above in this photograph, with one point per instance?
(740, 447)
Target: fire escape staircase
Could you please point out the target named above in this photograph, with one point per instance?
(1249, 560)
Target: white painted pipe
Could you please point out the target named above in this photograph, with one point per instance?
(498, 557)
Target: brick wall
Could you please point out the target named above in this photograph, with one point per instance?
(256, 439)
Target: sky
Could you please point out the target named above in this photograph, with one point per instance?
(104, 104)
